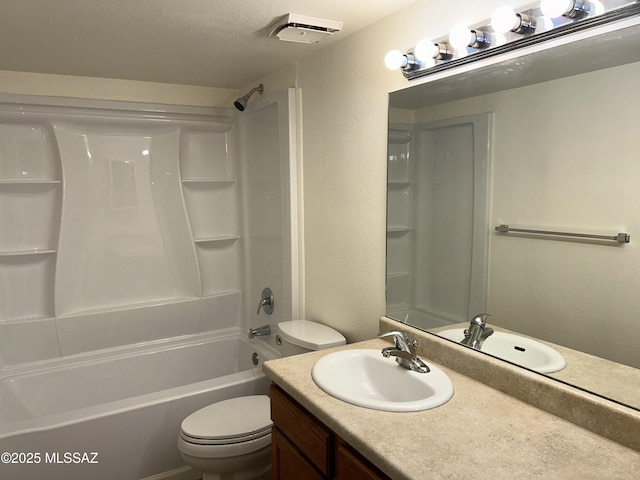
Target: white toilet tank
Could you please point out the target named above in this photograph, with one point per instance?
(301, 336)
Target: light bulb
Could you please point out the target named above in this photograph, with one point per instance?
(460, 37)
(498, 39)
(555, 8)
(426, 50)
(504, 19)
(395, 59)
(544, 24)
(596, 7)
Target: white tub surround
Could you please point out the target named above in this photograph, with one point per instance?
(125, 223)
(121, 224)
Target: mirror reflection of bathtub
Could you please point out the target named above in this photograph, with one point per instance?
(564, 158)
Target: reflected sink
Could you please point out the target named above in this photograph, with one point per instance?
(522, 351)
(365, 378)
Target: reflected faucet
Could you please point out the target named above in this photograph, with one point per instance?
(404, 351)
(478, 332)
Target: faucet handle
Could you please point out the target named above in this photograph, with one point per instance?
(404, 351)
(399, 337)
(480, 319)
(267, 302)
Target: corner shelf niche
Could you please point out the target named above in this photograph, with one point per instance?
(211, 195)
(399, 217)
(30, 198)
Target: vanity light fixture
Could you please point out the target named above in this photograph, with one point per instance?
(395, 59)
(424, 55)
(427, 51)
(462, 37)
(508, 30)
(506, 19)
(565, 8)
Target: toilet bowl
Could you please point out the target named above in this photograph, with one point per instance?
(231, 439)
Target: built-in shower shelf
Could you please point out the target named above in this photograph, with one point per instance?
(120, 307)
(209, 181)
(398, 230)
(221, 239)
(26, 319)
(22, 253)
(21, 181)
(222, 293)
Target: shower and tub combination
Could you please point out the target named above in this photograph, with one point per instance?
(136, 241)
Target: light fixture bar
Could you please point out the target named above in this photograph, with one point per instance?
(522, 29)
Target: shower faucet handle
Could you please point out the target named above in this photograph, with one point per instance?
(267, 302)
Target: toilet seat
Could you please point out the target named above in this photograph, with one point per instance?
(233, 421)
(224, 441)
(224, 450)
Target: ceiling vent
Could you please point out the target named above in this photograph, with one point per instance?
(303, 29)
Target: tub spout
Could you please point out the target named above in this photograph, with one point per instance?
(260, 331)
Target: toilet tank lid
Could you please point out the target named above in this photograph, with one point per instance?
(311, 335)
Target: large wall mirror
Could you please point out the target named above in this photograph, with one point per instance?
(547, 141)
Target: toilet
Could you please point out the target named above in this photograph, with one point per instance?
(231, 439)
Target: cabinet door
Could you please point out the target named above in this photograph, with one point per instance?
(352, 466)
(288, 462)
(304, 430)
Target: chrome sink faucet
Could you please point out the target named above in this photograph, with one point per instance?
(404, 351)
(478, 332)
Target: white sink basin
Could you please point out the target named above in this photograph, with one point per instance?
(365, 378)
(522, 351)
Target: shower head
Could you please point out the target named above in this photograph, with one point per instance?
(241, 103)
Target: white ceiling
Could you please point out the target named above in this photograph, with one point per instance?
(217, 43)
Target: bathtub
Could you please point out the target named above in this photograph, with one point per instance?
(115, 414)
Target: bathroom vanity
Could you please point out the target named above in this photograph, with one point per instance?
(304, 447)
(481, 433)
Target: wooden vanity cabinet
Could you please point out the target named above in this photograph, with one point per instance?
(302, 447)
